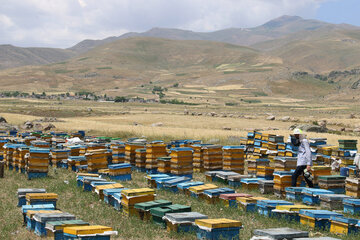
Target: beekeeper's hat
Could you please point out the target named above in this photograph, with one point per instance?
(297, 131)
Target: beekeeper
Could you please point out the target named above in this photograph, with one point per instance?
(304, 160)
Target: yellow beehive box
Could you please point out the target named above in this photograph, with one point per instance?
(31, 213)
(218, 223)
(130, 201)
(108, 186)
(309, 221)
(294, 208)
(84, 230)
(138, 192)
(202, 188)
(33, 196)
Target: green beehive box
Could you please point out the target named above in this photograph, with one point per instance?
(145, 206)
(159, 212)
(348, 144)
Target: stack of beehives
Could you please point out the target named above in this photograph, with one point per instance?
(282, 180)
(320, 171)
(352, 187)
(212, 157)
(37, 162)
(21, 158)
(8, 155)
(198, 157)
(96, 159)
(118, 153)
(130, 154)
(285, 163)
(74, 150)
(120, 171)
(164, 165)
(130, 197)
(40, 144)
(181, 161)
(323, 155)
(346, 152)
(58, 155)
(140, 158)
(233, 158)
(291, 150)
(154, 150)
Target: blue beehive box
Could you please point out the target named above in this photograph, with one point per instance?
(186, 185)
(172, 184)
(217, 191)
(317, 218)
(311, 195)
(39, 207)
(88, 180)
(352, 206)
(160, 181)
(108, 195)
(294, 193)
(265, 207)
(151, 179)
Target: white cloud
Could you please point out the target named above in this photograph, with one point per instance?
(66, 22)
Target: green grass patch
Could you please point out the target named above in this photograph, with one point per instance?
(59, 71)
(261, 94)
(103, 68)
(180, 74)
(231, 104)
(82, 59)
(175, 101)
(251, 101)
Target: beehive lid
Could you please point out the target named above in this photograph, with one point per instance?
(92, 179)
(177, 180)
(44, 217)
(266, 182)
(119, 166)
(112, 191)
(138, 192)
(31, 213)
(333, 197)
(84, 230)
(352, 201)
(152, 204)
(325, 214)
(315, 168)
(109, 186)
(344, 220)
(294, 189)
(273, 203)
(155, 176)
(313, 191)
(184, 217)
(332, 177)
(213, 173)
(51, 225)
(283, 173)
(202, 188)
(233, 147)
(21, 192)
(161, 211)
(187, 185)
(181, 149)
(217, 223)
(218, 191)
(94, 184)
(26, 208)
(281, 233)
(250, 180)
(294, 208)
(225, 175)
(33, 196)
(233, 196)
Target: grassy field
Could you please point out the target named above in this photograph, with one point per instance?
(88, 207)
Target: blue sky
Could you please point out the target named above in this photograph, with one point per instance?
(63, 23)
(340, 11)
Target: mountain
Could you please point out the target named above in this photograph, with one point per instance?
(240, 36)
(11, 56)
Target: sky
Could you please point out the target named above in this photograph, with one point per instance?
(63, 23)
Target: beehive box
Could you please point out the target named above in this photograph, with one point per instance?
(99, 189)
(31, 222)
(26, 208)
(198, 161)
(42, 218)
(351, 206)
(290, 212)
(266, 186)
(118, 153)
(172, 184)
(285, 163)
(140, 158)
(352, 187)
(96, 159)
(154, 150)
(212, 195)
(332, 201)
(131, 197)
(220, 228)
(311, 195)
(182, 222)
(250, 183)
(91, 232)
(158, 213)
(229, 199)
(181, 161)
(212, 157)
(317, 218)
(281, 233)
(335, 183)
(37, 162)
(54, 229)
(197, 190)
(234, 158)
(248, 204)
(21, 193)
(294, 193)
(120, 171)
(164, 165)
(130, 148)
(344, 226)
(184, 187)
(265, 207)
(41, 198)
(151, 179)
(109, 193)
(143, 209)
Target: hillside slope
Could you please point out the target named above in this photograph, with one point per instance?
(11, 56)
